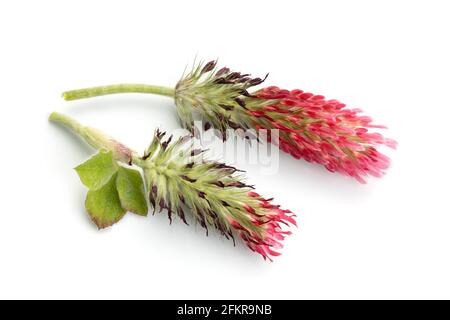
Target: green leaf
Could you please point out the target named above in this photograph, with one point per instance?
(131, 191)
(103, 205)
(98, 170)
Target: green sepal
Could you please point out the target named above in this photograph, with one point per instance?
(98, 170)
(104, 206)
(130, 188)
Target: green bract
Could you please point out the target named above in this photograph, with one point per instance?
(103, 205)
(97, 171)
(113, 189)
(131, 191)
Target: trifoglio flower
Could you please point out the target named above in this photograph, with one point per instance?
(309, 126)
(177, 177)
(322, 131)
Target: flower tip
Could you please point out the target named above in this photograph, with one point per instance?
(290, 219)
(391, 143)
(253, 194)
(209, 66)
(360, 179)
(273, 253)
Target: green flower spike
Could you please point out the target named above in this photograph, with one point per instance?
(177, 178)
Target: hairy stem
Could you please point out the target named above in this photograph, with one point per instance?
(67, 122)
(95, 138)
(117, 88)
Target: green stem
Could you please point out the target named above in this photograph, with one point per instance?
(117, 88)
(67, 122)
(94, 137)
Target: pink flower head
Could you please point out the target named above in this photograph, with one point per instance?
(324, 131)
(310, 127)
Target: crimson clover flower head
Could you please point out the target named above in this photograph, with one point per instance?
(176, 177)
(179, 178)
(309, 126)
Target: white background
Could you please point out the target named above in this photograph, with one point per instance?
(387, 239)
